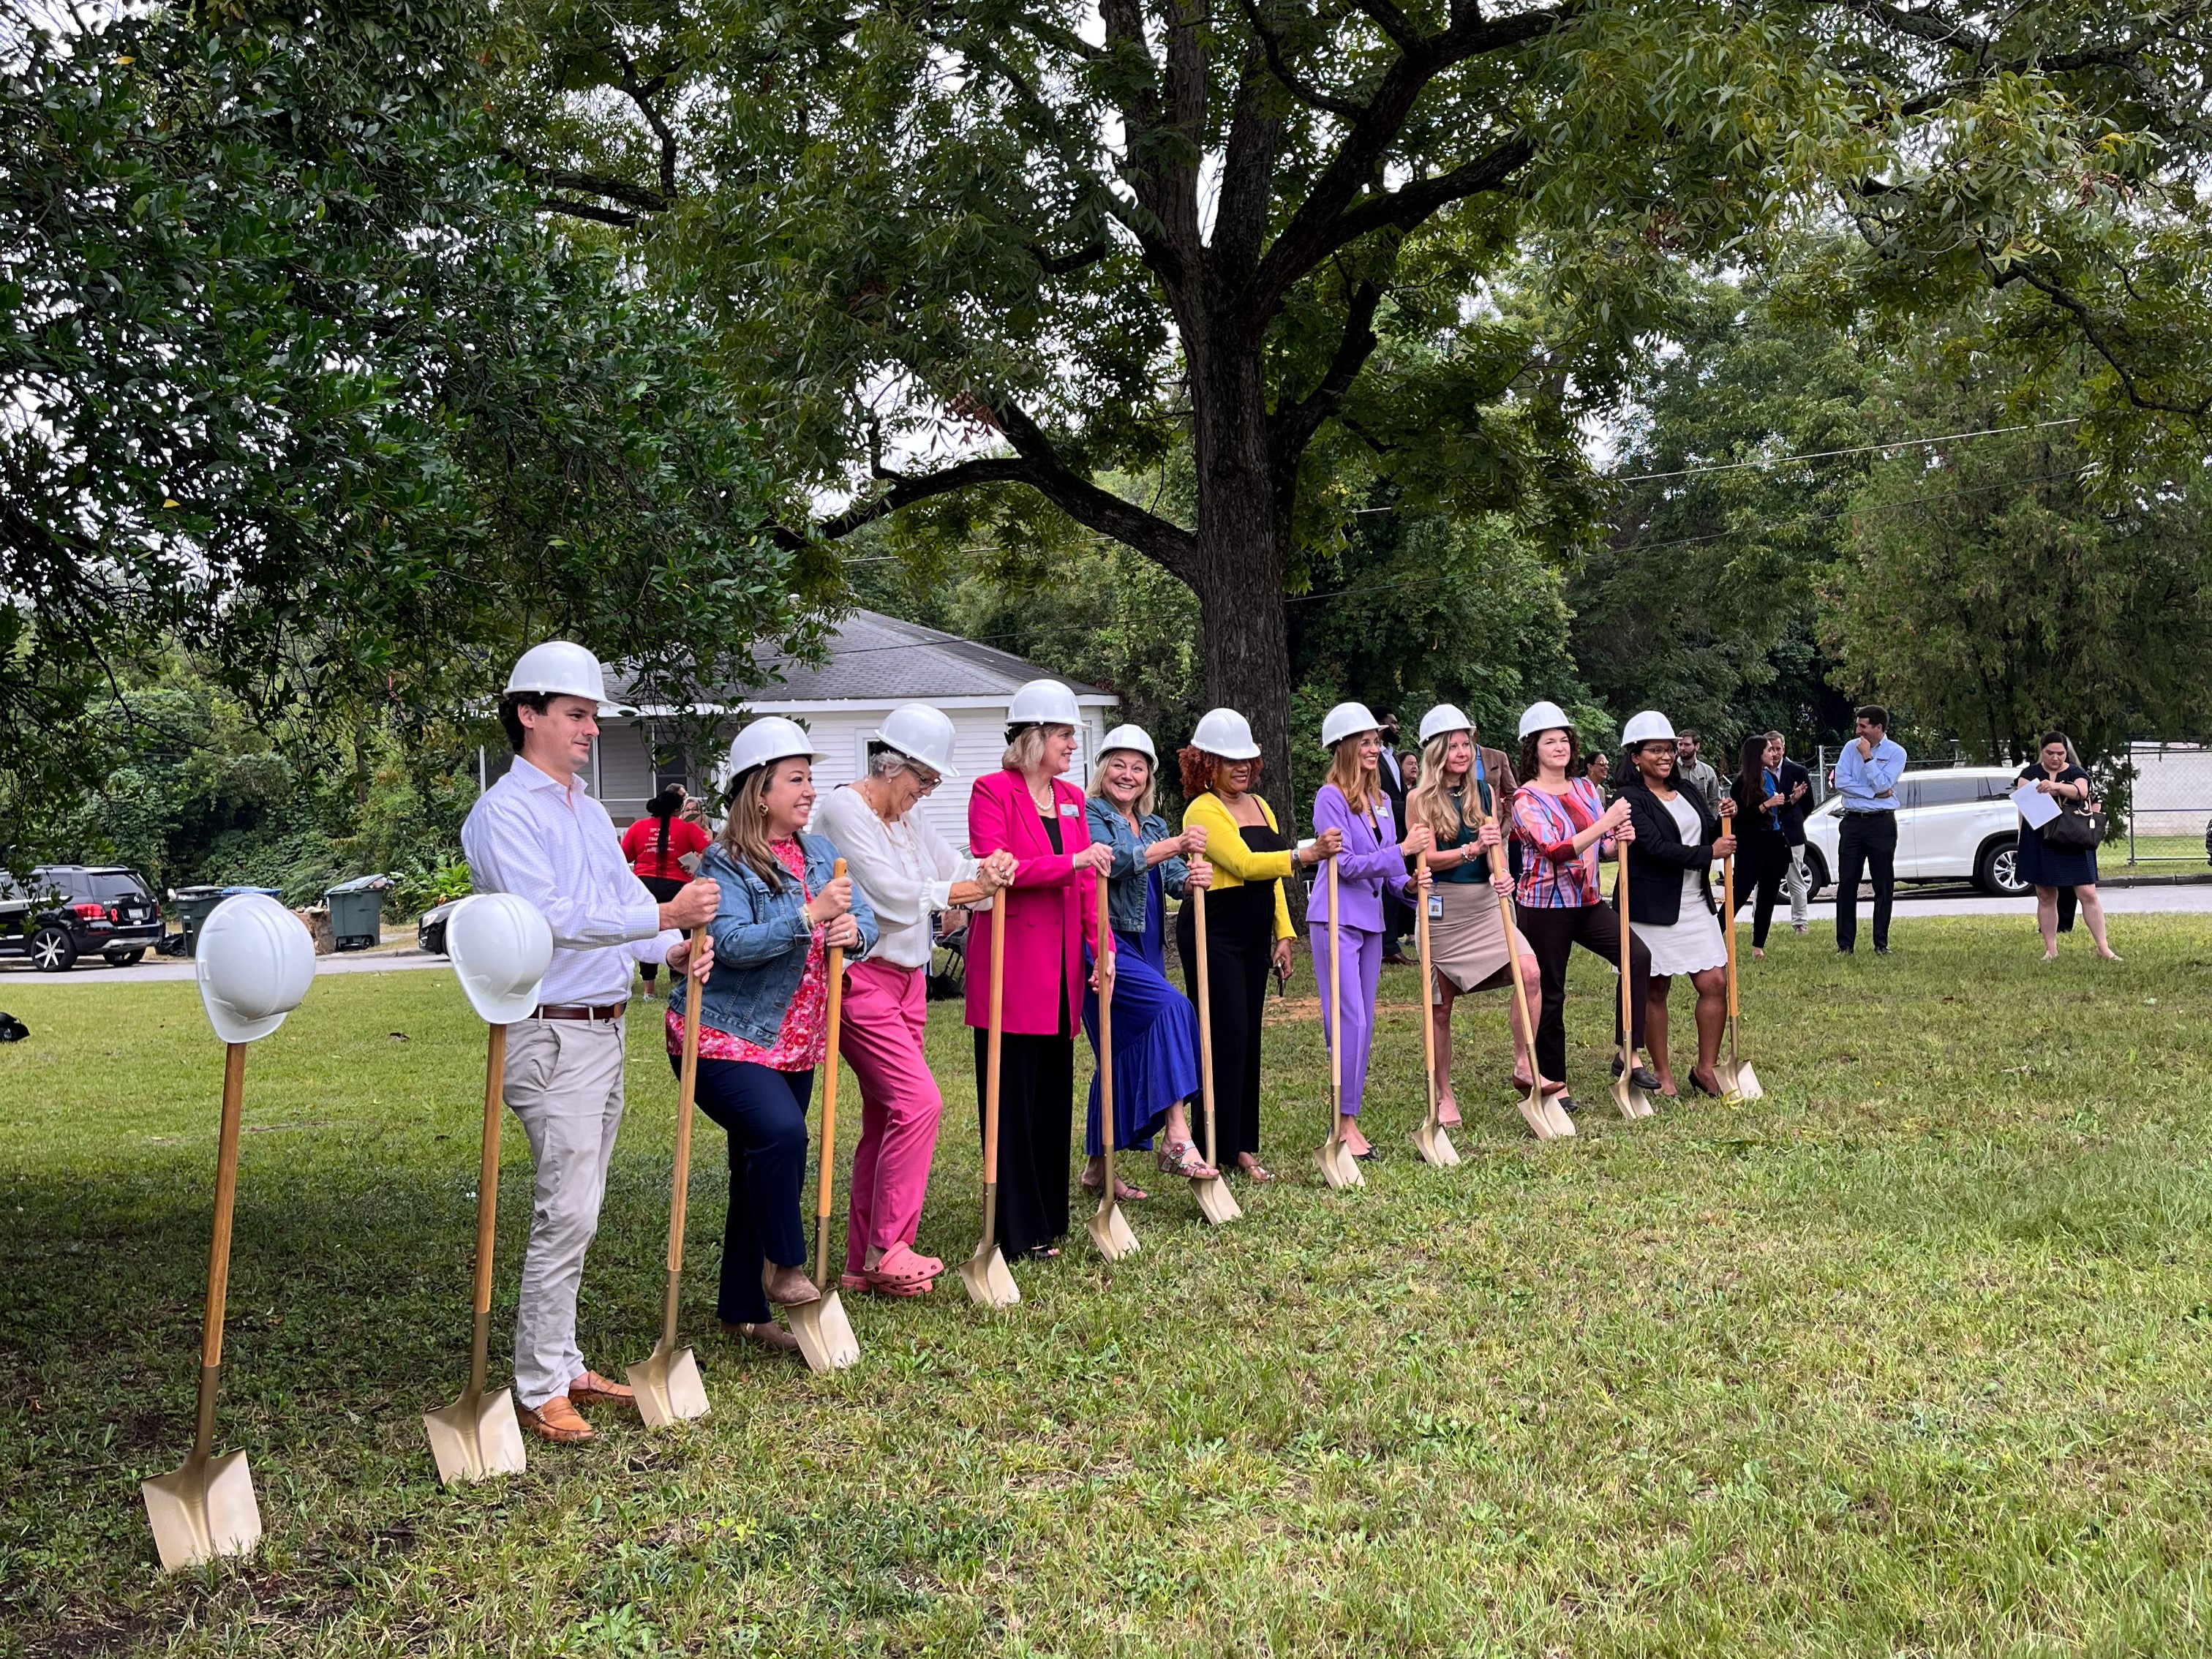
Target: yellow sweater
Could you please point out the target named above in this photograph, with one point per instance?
(1234, 863)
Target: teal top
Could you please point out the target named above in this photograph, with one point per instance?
(1468, 871)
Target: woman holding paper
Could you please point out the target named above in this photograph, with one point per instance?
(2058, 775)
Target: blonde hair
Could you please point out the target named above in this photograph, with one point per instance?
(1446, 811)
(1145, 801)
(744, 827)
(1025, 748)
(1357, 784)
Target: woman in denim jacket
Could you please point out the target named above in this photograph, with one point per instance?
(763, 1014)
(1155, 1026)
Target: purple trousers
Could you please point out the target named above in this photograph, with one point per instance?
(1359, 956)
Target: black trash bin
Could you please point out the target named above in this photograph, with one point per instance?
(357, 912)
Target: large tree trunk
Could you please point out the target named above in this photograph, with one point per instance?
(1244, 544)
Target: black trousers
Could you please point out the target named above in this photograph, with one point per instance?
(1037, 1117)
(1240, 949)
(663, 888)
(1552, 935)
(763, 1112)
(1866, 844)
(1765, 860)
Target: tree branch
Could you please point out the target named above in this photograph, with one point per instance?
(589, 184)
(1271, 44)
(1171, 547)
(2094, 332)
(1293, 428)
(907, 490)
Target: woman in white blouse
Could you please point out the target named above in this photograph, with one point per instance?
(895, 856)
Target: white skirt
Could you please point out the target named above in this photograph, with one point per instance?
(1687, 946)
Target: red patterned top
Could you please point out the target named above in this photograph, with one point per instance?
(803, 1039)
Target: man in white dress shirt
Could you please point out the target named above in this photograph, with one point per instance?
(536, 834)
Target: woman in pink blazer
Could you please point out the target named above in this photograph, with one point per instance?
(1029, 810)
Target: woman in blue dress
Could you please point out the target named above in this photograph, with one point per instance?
(1156, 1069)
(2047, 866)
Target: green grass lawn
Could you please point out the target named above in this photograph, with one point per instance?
(1912, 1356)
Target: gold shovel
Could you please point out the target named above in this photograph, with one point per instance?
(667, 1382)
(478, 1435)
(1337, 1165)
(1738, 1081)
(1109, 1228)
(1215, 1201)
(207, 1508)
(1625, 1094)
(989, 1284)
(826, 1336)
(1430, 1139)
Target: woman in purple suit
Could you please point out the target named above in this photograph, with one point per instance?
(1373, 862)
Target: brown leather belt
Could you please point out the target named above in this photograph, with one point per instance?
(605, 1012)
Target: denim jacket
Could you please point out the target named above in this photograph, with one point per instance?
(1126, 876)
(761, 940)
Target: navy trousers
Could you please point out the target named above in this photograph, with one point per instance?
(764, 1114)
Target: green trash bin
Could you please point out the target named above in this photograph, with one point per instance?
(193, 906)
(357, 912)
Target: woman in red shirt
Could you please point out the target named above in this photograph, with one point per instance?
(656, 847)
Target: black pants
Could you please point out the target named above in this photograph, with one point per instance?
(1866, 843)
(663, 888)
(1240, 950)
(1036, 1117)
(764, 1114)
(1551, 934)
(1764, 858)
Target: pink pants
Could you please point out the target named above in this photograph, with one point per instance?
(886, 1011)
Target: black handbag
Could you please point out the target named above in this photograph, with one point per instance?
(2076, 829)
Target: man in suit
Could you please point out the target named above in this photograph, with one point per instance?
(1397, 915)
(1796, 784)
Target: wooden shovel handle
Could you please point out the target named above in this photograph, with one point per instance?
(829, 1066)
(1728, 923)
(1428, 1020)
(1335, 1014)
(225, 1193)
(1105, 1033)
(1205, 1021)
(1628, 1002)
(687, 1090)
(487, 1170)
(991, 1040)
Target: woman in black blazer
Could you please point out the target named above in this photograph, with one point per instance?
(1760, 801)
(1670, 898)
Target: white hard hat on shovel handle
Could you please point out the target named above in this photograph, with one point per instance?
(255, 962)
(501, 946)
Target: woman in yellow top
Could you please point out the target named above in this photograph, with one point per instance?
(1248, 921)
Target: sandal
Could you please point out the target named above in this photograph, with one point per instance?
(1181, 1158)
(1253, 1173)
(1123, 1192)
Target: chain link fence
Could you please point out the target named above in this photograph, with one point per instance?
(2169, 822)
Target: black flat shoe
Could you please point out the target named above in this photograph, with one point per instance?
(1566, 1103)
(1642, 1077)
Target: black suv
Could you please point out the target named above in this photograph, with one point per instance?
(69, 910)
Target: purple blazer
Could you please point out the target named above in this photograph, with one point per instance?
(1367, 866)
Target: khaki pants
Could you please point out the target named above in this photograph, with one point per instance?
(564, 1081)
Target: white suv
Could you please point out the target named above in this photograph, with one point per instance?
(1955, 824)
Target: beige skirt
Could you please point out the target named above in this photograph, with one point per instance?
(1467, 943)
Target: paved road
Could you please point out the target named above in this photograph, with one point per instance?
(91, 971)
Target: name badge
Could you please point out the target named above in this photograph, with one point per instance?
(1066, 810)
(1436, 906)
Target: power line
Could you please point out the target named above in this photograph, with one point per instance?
(1858, 449)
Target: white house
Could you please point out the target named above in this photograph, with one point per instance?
(874, 664)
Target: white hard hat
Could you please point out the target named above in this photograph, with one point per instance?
(1344, 721)
(501, 946)
(921, 733)
(771, 737)
(1225, 733)
(1445, 717)
(560, 669)
(1543, 717)
(1133, 738)
(255, 960)
(1645, 728)
(1043, 702)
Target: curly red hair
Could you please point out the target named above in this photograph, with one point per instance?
(1197, 767)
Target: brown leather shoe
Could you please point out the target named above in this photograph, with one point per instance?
(556, 1420)
(593, 1389)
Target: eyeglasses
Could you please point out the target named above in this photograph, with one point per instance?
(928, 781)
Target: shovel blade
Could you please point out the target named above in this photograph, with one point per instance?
(1434, 1145)
(668, 1387)
(1109, 1232)
(826, 1336)
(989, 1283)
(201, 1513)
(475, 1439)
(1215, 1201)
(1447, 1154)
(1563, 1126)
(1731, 1086)
(1535, 1114)
(1623, 1097)
(1747, 1082)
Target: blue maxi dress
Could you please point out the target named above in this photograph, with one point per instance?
(1155, 1033)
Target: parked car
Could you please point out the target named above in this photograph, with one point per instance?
(1955, 825)
(71, 910)
(430, 928)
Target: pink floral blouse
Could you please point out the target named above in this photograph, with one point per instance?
(803, 1039)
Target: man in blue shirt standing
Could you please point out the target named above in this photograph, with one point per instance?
(1866, 839)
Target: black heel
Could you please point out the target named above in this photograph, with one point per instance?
(1712, 1094)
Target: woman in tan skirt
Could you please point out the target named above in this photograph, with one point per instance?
(1464, 789)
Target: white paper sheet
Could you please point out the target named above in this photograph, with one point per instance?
(2038, 808)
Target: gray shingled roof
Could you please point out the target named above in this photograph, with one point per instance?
(878, 659)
